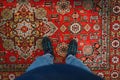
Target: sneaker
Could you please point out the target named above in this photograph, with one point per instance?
(47, 46)
(72, 47)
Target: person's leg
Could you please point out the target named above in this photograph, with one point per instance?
(45, 59)
(41, 61)
(72, 60)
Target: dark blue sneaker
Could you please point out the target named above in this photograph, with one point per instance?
(72, 47)
(47, 46)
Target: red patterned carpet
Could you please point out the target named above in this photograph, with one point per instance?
(95, 24)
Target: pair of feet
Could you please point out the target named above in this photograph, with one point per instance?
(47, 46)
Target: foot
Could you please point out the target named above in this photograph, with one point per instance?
(72, 47)
(47, 46)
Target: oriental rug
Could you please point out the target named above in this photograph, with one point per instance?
(95, 24)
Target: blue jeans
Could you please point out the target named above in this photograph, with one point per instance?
(48, 59)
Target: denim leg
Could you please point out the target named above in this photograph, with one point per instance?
(41, 61)
(72, 60)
